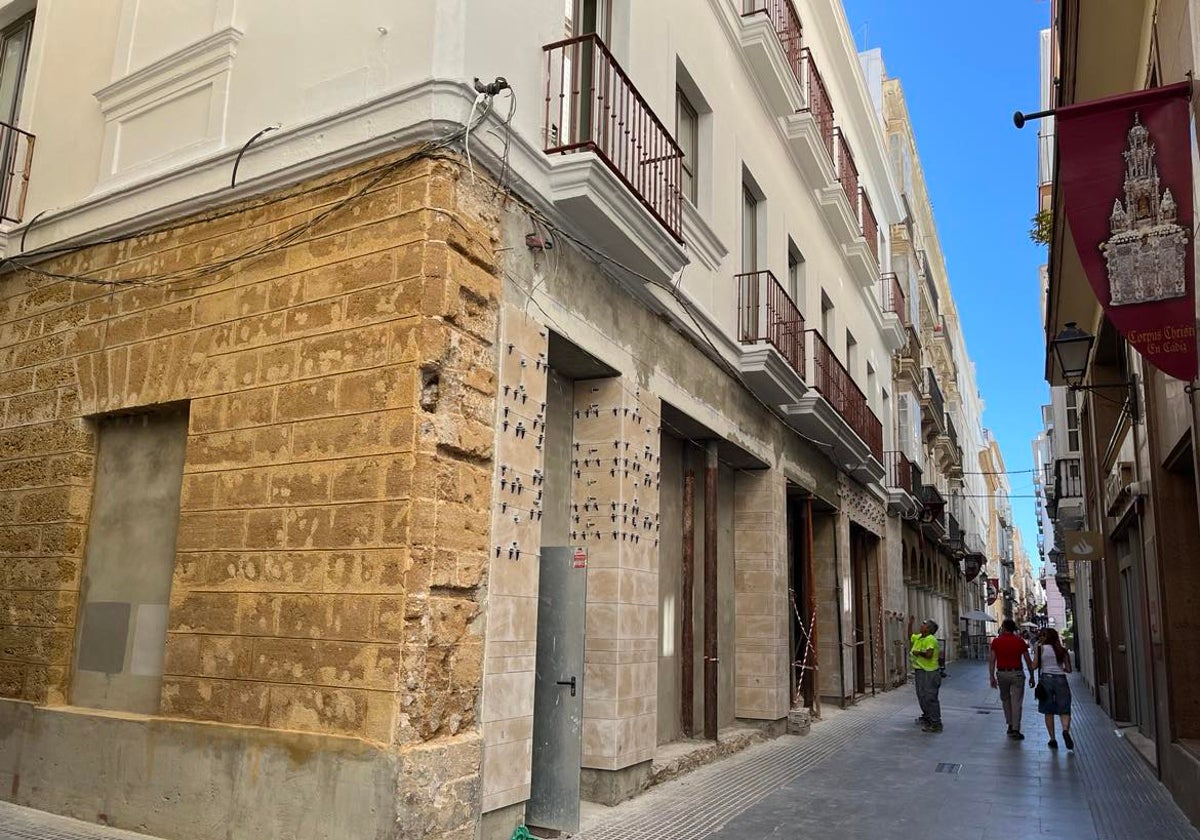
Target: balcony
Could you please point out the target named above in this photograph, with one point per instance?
(615, 168)
(836, 413)
(895, 312)
(868, 224)
(810, 130)
(1068, 481)
(933, 512)
(933, 405)
(17, 147)
(955, 539)
(837, 386)
(769, 321)
(948, 451)
(903, 483)
(771, 38)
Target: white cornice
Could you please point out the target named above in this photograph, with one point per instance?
(181, 68)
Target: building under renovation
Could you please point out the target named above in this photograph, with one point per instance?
(424, 418)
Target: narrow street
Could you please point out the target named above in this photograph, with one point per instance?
(870, 773)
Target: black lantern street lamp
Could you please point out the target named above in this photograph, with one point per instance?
(1073, 348)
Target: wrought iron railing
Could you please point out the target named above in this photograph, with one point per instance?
(847, 171)
(592, 105)
(934, 392)
(951, 432)
(1069, 483)
(816, 95)
(837, 386)
(901, 472)
(954, 534)
(16, 148)
(933, 503)
(867, 223)
(787, 26)
(893, 297)
(767, 313)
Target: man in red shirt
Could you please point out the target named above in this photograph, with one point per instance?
(1004, 669)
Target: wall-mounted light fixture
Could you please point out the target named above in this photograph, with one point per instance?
(1073, 349)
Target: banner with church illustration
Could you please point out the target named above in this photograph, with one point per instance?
(1125, 170)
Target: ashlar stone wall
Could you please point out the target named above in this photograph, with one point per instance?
(334, 529)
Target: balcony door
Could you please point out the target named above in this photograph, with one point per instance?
(14, 56)
(591, 16)
(591, 69)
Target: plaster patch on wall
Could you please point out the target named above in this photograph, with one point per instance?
(149, 631)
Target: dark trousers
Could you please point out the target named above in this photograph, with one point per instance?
(928, 683)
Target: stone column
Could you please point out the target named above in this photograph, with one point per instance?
(761, 598)
(615, 503)
(516, 528)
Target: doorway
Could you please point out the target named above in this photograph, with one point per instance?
(562, 591)
(802, 608)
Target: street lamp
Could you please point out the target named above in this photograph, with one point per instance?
(1073, 347)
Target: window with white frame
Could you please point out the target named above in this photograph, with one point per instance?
(687, 135)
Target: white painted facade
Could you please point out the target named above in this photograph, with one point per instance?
(151, 110)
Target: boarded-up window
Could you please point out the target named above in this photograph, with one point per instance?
(130, 561)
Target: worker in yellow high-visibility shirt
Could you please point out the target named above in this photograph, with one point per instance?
(923, 652)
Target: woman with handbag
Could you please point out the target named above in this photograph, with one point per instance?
(1053, 693)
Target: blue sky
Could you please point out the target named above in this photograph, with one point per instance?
(965, 67)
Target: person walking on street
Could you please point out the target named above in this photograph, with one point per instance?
(1053, 693)
(1006, 672)
(923, 651)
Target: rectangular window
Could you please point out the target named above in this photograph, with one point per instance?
(852, 354)
(795, 278)
(1072, 421)
(129, 562)
(749, 231)
(826, 317)
(687, 135)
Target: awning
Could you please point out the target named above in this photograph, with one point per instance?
(978, 615)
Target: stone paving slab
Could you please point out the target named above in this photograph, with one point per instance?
(870, 773)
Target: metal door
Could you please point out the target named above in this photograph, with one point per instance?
(558, 691)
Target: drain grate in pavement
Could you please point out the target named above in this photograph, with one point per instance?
(945, 767)
(982, 712)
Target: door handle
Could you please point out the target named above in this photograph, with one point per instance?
(570, 682)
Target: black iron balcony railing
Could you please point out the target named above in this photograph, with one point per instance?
(954, 534)
(767, 313)
(847, 170)
(901, 472)
(952, 433)
(787, 26)
(893, 297)
(17, 149)
(1069, 481)
(816, 95)
(934, 504)
(867, 223)
(837, 386)
(933, 392)
(592, 105)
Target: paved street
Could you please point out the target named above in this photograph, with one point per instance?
(870, 773)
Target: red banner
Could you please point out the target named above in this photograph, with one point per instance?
(1125, 170)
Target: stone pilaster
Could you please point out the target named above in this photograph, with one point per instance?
(761, 597)
(508, 678)
(615, 516)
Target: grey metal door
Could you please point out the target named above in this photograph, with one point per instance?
(558, 691)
